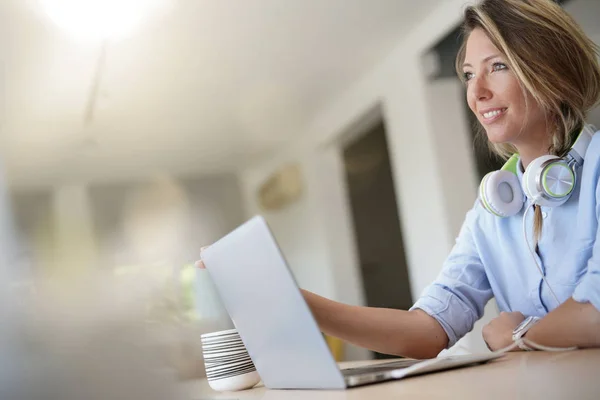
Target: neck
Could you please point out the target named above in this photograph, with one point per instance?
(536, 146)
(528, 155)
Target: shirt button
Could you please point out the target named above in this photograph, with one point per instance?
(544, 214)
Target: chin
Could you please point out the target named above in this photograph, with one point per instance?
(497, 136)
(496, 140)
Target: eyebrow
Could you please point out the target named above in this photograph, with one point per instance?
(482, 61)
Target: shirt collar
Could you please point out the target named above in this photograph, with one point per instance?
(520, 174)
(520, 170)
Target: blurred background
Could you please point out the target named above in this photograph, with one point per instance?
(133, 132)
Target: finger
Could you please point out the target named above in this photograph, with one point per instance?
(485, 331)
(488, 346)
(200, 263)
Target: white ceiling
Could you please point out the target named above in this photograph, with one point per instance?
(202, 88)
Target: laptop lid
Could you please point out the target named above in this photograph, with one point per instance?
(263, 300)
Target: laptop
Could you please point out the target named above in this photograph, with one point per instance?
(276, 325)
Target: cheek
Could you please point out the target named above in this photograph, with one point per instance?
(517, 98)
(526, 108)
(506, 87)
(470, 101)
(535, 111)
(514, 95)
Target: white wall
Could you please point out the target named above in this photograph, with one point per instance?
(398, 86)
(453, 146)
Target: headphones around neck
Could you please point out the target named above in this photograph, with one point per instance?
(548, 180)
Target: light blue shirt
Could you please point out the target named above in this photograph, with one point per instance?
(490, 258)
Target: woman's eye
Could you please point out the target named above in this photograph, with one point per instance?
(498, 66)
(467, 76)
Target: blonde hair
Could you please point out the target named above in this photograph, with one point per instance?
(551, 57)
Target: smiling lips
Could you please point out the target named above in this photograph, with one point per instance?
(492, 114)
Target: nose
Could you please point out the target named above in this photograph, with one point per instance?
(479, 90)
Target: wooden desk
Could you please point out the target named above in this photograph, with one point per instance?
(522, 375)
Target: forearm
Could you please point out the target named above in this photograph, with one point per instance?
(570, 324)
(412, 334)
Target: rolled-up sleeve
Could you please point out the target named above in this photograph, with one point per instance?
(588, 289)
(459, 294)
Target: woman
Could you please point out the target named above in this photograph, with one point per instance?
(531, 75)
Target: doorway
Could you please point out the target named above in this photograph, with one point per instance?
(376, 221)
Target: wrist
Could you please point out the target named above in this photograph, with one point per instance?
(521, 330)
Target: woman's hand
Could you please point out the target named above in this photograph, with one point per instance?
(498, 333)
(199, 263)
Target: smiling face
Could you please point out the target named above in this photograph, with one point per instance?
(495, 96)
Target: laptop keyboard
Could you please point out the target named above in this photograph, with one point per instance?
(379, 367)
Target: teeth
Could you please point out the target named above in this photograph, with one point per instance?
(491, 113)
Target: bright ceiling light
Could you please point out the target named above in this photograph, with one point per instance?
(100, 19)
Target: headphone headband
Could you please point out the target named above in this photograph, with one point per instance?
(511, 164)
(548, 180)
(577, 151)
(582, 142)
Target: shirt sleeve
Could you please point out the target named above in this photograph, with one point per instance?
(459, 294)
(588, 288)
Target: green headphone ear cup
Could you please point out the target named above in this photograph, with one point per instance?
(558, 180)
(549, 180)
(500, 193)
